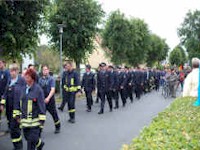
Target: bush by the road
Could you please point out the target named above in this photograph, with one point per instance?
(176, 128)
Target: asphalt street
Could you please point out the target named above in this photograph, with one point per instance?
(99, 132)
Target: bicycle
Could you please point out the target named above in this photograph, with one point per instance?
(166, 90)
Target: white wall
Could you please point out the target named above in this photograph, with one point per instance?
(26, 61)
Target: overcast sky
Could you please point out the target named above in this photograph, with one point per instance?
(162, 16)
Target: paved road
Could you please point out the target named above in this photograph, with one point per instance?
(100, 132)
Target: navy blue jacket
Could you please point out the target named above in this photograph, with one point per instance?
(123, 79)
(130, 79)
(88, 82)
(116, 85)
(4, 79)
(103, 81)
(139, 77)
(12, 93)
(33, 110)
(70, 81)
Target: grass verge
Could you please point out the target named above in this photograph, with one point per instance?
(176, 128)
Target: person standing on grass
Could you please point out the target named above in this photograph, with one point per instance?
(190, 87)
(172, 79)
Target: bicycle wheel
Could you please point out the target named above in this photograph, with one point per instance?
(166, 92)
(163, 90)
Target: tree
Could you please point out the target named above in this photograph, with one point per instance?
(157, 50)
(127, 39)
(177, 56)
(20, 24)
(139, 41)
(189, 33)
(81, 18)
(115, 36)
(48, 56)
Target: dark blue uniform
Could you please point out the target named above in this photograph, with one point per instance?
(139, 78)
(88, 83)
(4, 79)
(146, 81)
(32, 115)
(11, 98)
(123, 86)
(104, 87)
(130, 84)
(97, 96)
(46, 84)
(116, 88)
(157, 80)
(71, 85)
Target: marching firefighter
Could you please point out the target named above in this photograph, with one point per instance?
(71, 85)
(103, 85)
(4, 78)
(130, 83)
(11, 97)
(88, 84)
(138, 82)
(32, 111)
(116, 87)
(47, 83)
(123, 84)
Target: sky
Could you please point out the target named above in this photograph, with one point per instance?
(162, 16)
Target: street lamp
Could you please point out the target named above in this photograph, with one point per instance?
(61, 26)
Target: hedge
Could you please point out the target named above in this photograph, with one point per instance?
(176, 128)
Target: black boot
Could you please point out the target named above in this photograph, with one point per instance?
(40, 146)
(72, 117)
(18, 146)
(60, 108)
(57, 128)
(100, 112)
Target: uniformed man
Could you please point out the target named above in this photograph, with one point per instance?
(71, 85)
(138, 83)
(130, 83)
(97, 95)
(116, 87)
(47, 83)
(10, 98)
(103, 80)
(157, 79)
(111, 72)
(32, 111)
(4, 78)
(88, 84)
(123, 84)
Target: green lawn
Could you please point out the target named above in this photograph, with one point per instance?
(176, 128)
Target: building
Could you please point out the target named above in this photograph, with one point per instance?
(99, 54)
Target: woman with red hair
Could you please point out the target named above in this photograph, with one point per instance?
(33, 111)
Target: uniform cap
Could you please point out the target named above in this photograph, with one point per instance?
(88, 66)
(102, 64)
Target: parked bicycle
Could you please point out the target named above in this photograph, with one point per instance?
(166, 90)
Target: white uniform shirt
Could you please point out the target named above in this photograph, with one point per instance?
(191, 84)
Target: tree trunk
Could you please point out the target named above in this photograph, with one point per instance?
(78, 68)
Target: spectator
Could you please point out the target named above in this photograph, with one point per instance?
(181, 79)
(190, 87)
(172, 79)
